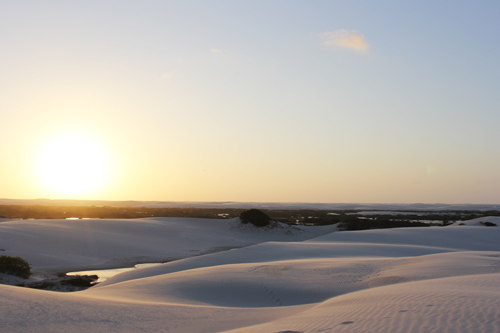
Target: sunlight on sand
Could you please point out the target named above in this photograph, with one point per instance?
(292, 279)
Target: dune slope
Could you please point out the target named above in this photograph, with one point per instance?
(65, 245)
(393, 280)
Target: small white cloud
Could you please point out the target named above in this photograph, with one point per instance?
(344, 38)
(214, 50)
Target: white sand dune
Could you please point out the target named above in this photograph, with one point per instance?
(402, 242)
(442, 279)
(477, 222)
(455, 304)
(293, 282)
(64, 245)
(29, 310)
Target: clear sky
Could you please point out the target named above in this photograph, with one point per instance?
(280, 101)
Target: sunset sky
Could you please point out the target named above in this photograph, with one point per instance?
(269, 101)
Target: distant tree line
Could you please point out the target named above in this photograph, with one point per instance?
(349, 219)
(355, 223)
(111, 212)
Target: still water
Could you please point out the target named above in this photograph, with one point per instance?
(105, 274)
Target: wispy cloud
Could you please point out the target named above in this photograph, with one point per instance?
(345, 38)
(215, 50)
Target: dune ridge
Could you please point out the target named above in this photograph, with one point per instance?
(441, 279)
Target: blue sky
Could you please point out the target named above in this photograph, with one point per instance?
(317, 101)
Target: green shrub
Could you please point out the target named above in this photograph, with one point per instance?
(15, 266)
(488, 224)
(255, 217)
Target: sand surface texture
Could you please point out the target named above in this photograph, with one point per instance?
(307, 279)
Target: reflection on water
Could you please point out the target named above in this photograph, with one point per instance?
(105, 274)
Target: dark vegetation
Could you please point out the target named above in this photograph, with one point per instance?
(256, 217)
(78, 282)
(355, 223)
(488, 224)
(83, 281)
(15, 266)
(110, 212)
(348, 219)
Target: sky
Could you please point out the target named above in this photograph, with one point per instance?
(265, 101)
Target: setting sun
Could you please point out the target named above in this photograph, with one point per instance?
(72, 164)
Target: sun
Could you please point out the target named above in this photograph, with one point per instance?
(72, 165)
